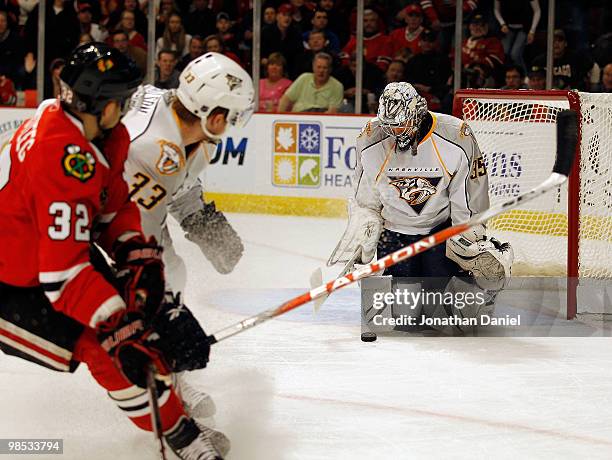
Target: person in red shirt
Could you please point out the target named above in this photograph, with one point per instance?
(482, 51)
(409, 36)
(376, 45)
(61, 191)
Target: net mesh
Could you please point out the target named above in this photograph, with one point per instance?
(517, 136)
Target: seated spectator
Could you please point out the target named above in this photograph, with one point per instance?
(335, 20)
(8, 95)
(166, 8)
(314, 92)
(409, 36)
(319, 24)
(570, 69)
(303, 11)
(515, 78)
(85, 38)
(513, 17)
(274, 85)
(98, 33)
(174, 37)
(269, 16)
(201, 19)
(606, 79)
(214, 44)
(11, 54)
(224, 30)
(536, 78)
(282, 36)
(119, 40)
(376, 45)
(55, 68)
(127, 25)
(303, 62)
(372, 79)
(166, 75)
(429, 72)
(196, 49)
(482, 52)
(140, 19)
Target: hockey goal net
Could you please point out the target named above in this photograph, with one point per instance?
(567, 233)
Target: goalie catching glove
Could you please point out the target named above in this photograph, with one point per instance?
(218, 241)
(362, 234)
(489, 260)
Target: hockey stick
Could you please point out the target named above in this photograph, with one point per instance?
(567, 138)
(155, 415)
(316, 277)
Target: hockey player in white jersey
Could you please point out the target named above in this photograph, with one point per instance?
(418, 172)
(173, 135)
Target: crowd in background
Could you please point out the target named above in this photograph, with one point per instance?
(308, 47)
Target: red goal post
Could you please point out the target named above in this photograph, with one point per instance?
(564, 234)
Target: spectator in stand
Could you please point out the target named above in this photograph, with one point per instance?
(214, 44)
(224, 30)
(201, 19)
(569, 69)
(441, 15)
(140, 19)
(482, 52)
(536, 78)
(11, 55)
(8, 95)
(513, 16)
(302, 14)
(515, 77)
(606, 79)
(119, 40)
(174, 37)
(319, 24)
(376, 45)
(272, 88)
(55, 68)
(429, 72)
(166, 8)
(166, 75)
(269, 16)
(314, 92)
(85, 38)
(372, 79)
(410, 35)
(196, 49)
(282, 36)
(303, 63)
(127, 24)
(98, 33)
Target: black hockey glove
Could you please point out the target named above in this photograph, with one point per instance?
(140, 274)
(218, 241)
(127, 336)
(181, 339)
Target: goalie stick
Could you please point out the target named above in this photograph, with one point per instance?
(567, 138)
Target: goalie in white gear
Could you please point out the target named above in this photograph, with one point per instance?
(417, 172)
(173, 135)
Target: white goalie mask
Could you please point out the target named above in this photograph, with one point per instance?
(214, 80)
(489, 261)
(401, 111)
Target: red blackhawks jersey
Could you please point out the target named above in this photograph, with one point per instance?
(57, 191)
(376, 50)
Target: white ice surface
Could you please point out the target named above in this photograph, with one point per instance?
(306, 387)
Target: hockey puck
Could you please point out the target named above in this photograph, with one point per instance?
(368, 337)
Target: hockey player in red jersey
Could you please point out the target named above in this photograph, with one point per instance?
(61, 190)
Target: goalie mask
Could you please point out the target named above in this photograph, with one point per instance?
(488, 260)
(401, 111)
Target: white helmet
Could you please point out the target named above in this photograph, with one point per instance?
(214, 80)
(400, 106)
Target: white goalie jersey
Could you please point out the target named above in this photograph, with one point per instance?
(161, 174)
(415, 193)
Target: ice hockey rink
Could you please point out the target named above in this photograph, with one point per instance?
(305, 386)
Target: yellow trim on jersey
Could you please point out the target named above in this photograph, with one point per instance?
(389, 153)
(431, 130)
(440, 159)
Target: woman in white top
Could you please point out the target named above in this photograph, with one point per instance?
(174, 37)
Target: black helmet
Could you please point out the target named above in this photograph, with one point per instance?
(95, 74)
